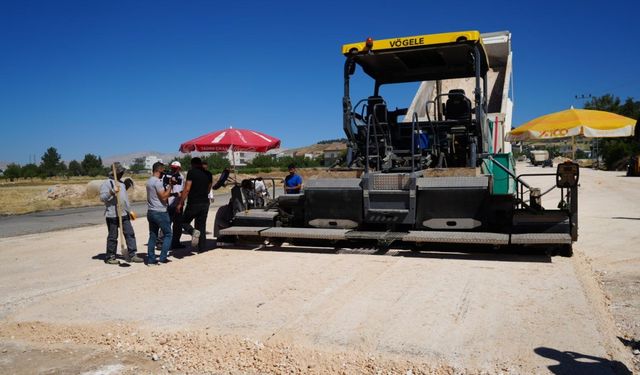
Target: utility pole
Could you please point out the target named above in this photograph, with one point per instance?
(595, 149)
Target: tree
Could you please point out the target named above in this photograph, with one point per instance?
(138, 165)
(13, 171)
(298, 161)
(75, 169)
(30, 171)
(262, 161)
(615, 151)
(185, 161)
(630, 108)
(217, 162)
(327, 141)
(92, 165)
(51, 162)
(611, 103)
(605, 102)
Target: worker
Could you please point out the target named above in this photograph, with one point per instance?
(157, 215)
(196, 189)
(108, 191)
(205, 167)
(293, 181)
(175, 179)
(261, 191)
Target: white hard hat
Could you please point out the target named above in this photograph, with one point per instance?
(176, 164)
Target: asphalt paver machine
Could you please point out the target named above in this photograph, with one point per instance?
(435, 173)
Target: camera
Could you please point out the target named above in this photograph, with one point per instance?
(172, 179)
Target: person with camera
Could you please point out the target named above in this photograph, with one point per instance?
(157, 215)
(174, 199)
(175, 180)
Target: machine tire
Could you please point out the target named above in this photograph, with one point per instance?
(565, 251)
(222, 219)
(227, 239)
(560, 250)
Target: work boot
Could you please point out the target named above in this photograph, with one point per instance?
(135, 259)
(111, 261)
(195, 237)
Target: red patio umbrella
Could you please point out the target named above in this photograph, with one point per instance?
(231, 139)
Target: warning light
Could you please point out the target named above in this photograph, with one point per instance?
(369, 42)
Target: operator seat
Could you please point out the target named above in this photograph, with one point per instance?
(377, 107)
(458, 106)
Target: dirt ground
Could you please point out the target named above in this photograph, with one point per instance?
(310, 310)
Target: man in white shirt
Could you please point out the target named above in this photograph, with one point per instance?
(175, 177)
(261, 191)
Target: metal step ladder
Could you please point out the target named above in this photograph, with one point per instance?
(389, 198)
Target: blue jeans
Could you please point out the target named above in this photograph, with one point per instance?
(158, 220)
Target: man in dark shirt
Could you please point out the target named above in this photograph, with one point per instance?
(196, 193)
(205, 167)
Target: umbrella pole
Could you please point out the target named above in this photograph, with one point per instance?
(233, 162)
(573, 148)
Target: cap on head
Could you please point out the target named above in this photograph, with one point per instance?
(119, 170)
(176, 164)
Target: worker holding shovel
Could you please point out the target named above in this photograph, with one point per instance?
(118, 216)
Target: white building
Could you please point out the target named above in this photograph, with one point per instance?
(241, 158)
(150, 160)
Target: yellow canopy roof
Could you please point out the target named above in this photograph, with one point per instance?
(574, 122)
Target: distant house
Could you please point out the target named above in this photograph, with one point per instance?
(150, 160)
(331, 156)
(240, 158)
(276, 153)
(290, 152)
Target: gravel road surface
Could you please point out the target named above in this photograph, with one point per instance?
(309, 310)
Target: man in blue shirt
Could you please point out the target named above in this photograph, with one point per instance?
(293, 181)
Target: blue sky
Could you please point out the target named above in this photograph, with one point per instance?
(113, 77)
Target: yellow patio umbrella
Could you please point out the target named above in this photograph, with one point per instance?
(574, 122)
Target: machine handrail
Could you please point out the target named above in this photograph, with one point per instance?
(413, 142)
(505, 169)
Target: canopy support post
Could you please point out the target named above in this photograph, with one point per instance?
(233, 162)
